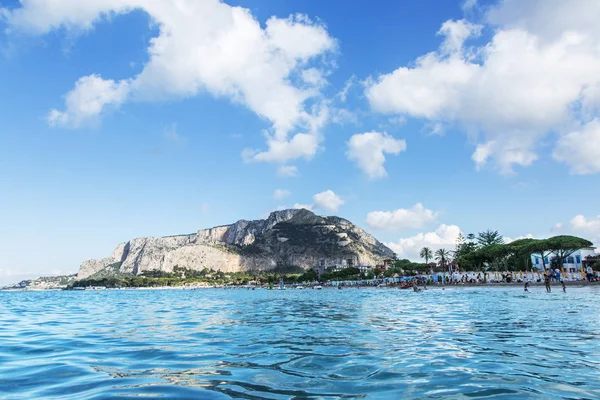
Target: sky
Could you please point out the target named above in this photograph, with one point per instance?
(415, 119)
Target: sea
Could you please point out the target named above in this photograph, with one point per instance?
(376, 343)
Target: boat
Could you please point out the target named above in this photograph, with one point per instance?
(318, 287)
(299, 287)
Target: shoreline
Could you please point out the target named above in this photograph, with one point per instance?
(324, 287)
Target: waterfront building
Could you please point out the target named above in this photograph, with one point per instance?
(572, 263)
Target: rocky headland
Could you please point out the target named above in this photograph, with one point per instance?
(295, 237)
(288, 237)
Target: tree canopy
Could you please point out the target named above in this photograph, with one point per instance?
(489, 238)
(516, 255)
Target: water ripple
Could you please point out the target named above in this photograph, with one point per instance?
(329, 344)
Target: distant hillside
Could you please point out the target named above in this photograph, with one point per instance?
(45, 282)
(288, 237)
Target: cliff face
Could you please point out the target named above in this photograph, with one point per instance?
(288, 237)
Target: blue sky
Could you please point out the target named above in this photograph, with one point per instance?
(413, 119)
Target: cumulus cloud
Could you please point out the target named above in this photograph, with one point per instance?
(589, 227)
(580, 149)
(328, 200)
(579, 222)
(281, 194)
(539, 73)
(401, 218)
(91, 96)
(367, 151)
(276, 70)
(580, 225)
(444, 236)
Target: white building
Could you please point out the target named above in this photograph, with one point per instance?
(336, 264)
(572, 263)
(363, 268)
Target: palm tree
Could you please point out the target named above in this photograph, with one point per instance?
(442, 255)
(427, 254)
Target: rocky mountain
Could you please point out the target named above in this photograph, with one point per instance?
(288, 237)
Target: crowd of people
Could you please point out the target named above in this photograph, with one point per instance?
(478, 278)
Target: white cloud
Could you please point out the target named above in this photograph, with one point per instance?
(436, 128)
(205, 46)
(579, 225)
(590, 227)
(444, 236)
(343, 94)
(539, 73)
(548, 20)
(581, 149)
(508, 239)
(88, 100)
(281, 194)
(368, 151)
(305, 206)
(456, 33)
(314, 77)
(287, 171)
(328, 200)
(282, 148)
(401, 218)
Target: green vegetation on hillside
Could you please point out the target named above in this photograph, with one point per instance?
(111, 271)
(182, 276)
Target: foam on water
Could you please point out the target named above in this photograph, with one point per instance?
(364, 343)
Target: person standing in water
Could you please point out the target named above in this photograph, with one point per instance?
(527, 286)
(415, 285)
(547, 282)
(563, 286)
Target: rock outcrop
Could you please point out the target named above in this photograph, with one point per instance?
(288, 237)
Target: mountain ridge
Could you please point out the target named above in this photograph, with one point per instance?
(291, 237)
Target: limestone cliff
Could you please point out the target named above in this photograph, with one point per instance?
(288, 237)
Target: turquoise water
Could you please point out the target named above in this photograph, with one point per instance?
(352, 343)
